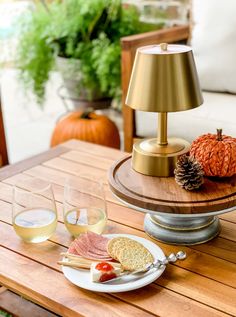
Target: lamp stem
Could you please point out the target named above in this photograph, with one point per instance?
(162, 129)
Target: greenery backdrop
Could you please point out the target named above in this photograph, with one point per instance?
(76, 29)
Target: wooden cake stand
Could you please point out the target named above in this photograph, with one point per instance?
(174, 215)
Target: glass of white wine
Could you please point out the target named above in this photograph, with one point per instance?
(34, 214)
(84, 206)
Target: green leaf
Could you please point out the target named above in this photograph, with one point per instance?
(87, 30)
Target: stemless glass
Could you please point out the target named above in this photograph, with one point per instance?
(84, 206)
(34, 213)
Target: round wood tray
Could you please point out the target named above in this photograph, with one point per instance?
(162, 194)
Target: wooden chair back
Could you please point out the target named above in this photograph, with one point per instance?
(3, 144)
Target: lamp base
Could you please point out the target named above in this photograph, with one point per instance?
(152, 159)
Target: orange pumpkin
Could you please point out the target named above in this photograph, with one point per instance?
(86, 126)
(216, 153)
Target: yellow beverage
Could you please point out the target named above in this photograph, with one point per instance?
(81, 220)
(35, 225)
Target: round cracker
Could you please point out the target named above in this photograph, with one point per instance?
(135, 258)
(116, 245)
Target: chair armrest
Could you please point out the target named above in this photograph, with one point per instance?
(169, 35)
(129, 46)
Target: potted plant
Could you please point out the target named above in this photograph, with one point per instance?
(83, 39)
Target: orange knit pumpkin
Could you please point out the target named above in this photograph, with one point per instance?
(86, 126)
(216, 153)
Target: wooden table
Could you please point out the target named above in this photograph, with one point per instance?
(202, 285)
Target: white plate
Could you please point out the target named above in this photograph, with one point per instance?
(81, 277)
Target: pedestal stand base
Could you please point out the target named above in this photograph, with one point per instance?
(182, 230)
(175, 216)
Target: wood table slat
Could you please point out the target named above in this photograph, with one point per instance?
(18, 306)
(31, 179)
(86, 303)
(94, 149)
(230, 216)
(216, 269)
(76, 169)
(53, 175)
(39, 254)
(218, 247)
(228, 230)
(59, 178)
(203, 285)
(88, 159)
(227, 273)
(9, 170)
(28, 278)
(135, 218)
(220, 295)
(80, 156)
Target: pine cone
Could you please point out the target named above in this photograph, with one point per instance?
(189, 173)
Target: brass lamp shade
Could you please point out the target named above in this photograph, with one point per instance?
(164, 79)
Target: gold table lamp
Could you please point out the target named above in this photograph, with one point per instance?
(164, 79)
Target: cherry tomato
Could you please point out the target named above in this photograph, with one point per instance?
(104, 267)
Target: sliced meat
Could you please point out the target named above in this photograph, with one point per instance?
(97, 237)
(72, 249)
(98, 252)
(97, 241)
(85, 252)
(85, 243)
(91, 246)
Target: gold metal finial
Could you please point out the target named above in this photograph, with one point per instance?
(164, 46)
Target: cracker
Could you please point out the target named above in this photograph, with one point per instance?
(131, 254)
(133, 259)
(116, 245)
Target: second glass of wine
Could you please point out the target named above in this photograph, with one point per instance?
(84, 206)
(34, 214)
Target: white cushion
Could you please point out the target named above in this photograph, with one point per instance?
(217, 111)
(214, 43)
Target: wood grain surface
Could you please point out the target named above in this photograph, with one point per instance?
(20, 306)
(163, 194)
(202, 285)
